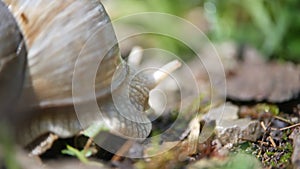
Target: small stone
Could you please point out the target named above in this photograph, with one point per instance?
(226, 112)
(229, 128)
(237, 131)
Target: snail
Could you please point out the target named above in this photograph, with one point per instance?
(56, 35)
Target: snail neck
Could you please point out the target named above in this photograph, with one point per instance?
(132, 86)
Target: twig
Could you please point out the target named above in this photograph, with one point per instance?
(88, 144)
(289, 127)
(263, 125)
(283, 119)
(263, 143)
(274, 129)
(122, 151)
(272, 141)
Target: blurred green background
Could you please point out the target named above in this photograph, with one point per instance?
(270, 26)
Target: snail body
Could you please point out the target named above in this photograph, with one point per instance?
(55, 33)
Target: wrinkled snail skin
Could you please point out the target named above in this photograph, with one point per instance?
(55, 33)
(12, 63)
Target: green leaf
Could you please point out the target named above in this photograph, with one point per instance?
(81, 155)
(243, 161)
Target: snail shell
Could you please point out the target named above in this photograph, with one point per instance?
(55, 33)
(12, 62)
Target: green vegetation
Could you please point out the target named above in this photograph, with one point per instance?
(81, 155)
(271, 26)
(7, 149)
(267, 108)
(242, 161)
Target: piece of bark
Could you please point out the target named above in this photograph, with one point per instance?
(258, 80)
